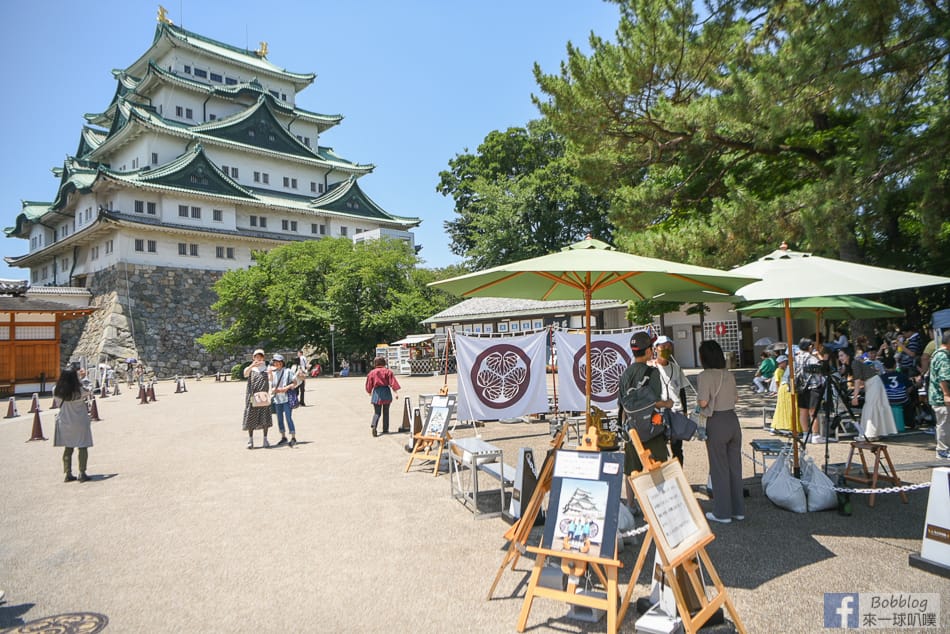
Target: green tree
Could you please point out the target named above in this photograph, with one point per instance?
(720, 135)
(371, 292)
(519, 196)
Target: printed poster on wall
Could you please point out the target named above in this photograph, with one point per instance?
(501, 377)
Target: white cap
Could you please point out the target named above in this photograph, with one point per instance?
(662, 339)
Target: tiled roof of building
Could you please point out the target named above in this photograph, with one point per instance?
(502, 307)
(169, 36)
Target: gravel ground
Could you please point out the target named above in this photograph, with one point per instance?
(182, 529)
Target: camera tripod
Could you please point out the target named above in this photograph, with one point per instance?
(833, 392)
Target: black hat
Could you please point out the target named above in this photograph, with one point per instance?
(641, 341)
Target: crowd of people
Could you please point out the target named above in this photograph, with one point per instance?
(889, 385)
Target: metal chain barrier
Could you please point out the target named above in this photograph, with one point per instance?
(900, 489)
(636, 531)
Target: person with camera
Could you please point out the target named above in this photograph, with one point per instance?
(256, 416)
(876, 417)
(808, 384)
(640, 394)
(674, 383)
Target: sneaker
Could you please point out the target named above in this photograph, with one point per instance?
(373, 429)
(943, 455)
(713, 518)
(250, 443)
(738, 518)
(817, 440)
(282, 441)
(266, 444)
(293, 441)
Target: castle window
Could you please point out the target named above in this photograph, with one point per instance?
(263, 220)
(285, 224)
(212, 117)
(230, 81)
(217, 215)
(216, 77)
(219, 253)
(183, 211)
(45, 273)
(230, 253)
(179, 111)
(266, 178)
(257, 177)
(140, 206)
(135, 163)
(152, 246)
(293, 225)
(343, 231)
(234, 172)
(187, 69)
(193, 250)
(283, 96)
(189, 114)
(108, 247)
(313, 186)
(275, 93)
(293, 183)
(286, 181)
(150, 208)
(320, 188)
(200, 72)
(139, 245)
(154, 158)
(306, 141)
(34, 276)
(250, 133)
(253, 221)
(182, 248)
(196, 212)
(225, 169)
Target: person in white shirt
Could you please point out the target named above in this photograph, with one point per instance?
(674, 384)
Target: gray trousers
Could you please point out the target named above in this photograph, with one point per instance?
(942, 427)
(724, 450)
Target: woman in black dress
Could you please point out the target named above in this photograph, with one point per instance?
(258, 380)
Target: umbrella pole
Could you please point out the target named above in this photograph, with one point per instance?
(587, 296)
(791, 388)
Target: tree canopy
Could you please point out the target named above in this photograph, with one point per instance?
(372, 292)
(519, 196)
(723, 132)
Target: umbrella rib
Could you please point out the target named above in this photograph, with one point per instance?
(478, 289)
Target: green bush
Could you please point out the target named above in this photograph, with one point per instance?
(237, 372)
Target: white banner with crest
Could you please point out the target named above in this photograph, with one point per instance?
(501, 377)
(610, 356)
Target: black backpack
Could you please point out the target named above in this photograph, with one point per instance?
(638, 406)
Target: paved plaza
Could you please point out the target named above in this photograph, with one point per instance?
(182, 529)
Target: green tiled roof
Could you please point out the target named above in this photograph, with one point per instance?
(348, 198)
(192, 171)
(257, 126)
(30, 211)
(168, 36)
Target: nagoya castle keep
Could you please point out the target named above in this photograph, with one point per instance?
(201, 158)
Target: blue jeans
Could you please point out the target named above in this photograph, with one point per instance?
(283, 409)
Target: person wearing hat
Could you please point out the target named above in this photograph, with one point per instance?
(257, 381)
(381, 385)
(674, 384)
(282, 380)
(641, 382)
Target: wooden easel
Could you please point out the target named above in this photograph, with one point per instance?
(517, 535)
(574, 565)
(679, 562)
(426, 440)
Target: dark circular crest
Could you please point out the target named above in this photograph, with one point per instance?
(501, 375)
(608, 361)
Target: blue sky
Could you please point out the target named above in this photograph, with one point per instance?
(417, 82)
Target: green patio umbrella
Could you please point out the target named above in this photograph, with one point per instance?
(839, 308)
(786, 275)
(591, 269)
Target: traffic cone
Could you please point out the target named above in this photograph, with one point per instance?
(37, 427)
(115, 390)
(35, 405)
(54, 404)
(94, 411)
(178, 385)
(143, 396)
(184, 388)
(151, 392)
(11, 409)
(406, 420)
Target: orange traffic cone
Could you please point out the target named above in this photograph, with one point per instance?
(94, 411)
(104, 392)
(151, 392)
(37, 427)
(35, 405)
(54, 404)
(11, 409)
(143, 396)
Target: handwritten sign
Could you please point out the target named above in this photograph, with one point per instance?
(671, 511)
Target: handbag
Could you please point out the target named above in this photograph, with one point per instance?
(679, 426)
(260, 399)
(293, 398)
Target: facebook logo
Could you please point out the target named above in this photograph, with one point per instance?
(841, 609)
